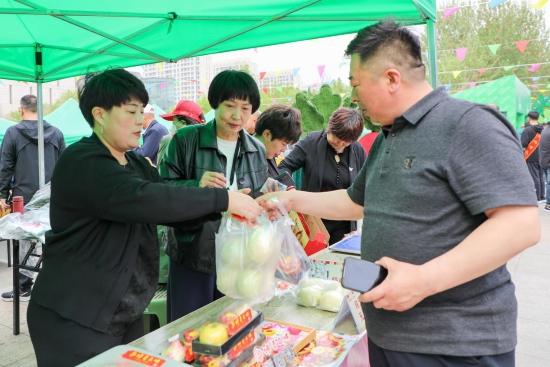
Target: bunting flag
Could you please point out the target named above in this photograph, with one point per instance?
(265, 90)
(494, 3)
(481, 71)
(295, 71)
(321, 70)
(262, 74)
(471, 84)
(456, 74)
(535, 78)
(461, 53)
(534, 68)
(449, 12)
(494, 48)
(508, 68)
(522, 45)
(539, 4)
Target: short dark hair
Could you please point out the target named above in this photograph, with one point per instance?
(233, 84)
(107, 89)
(28, 103)
(388, 35)
(283, 122)
(533, 115)
(346, 124)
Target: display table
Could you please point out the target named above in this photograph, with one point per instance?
(282, 308)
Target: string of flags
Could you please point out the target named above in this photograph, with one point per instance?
(532, 68)
(452, 10)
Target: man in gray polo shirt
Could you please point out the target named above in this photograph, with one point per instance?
(446, 199)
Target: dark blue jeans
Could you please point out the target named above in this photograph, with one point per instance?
(380, 357)
(189, 290)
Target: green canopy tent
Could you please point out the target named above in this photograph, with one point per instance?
(512, 97)
(70, 121)
(4, 125)
(45, 40)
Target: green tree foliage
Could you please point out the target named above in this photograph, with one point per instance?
(326, 102)
(476, 27)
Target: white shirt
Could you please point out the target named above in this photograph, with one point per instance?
(227, 148)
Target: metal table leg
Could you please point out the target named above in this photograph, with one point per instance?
(15, 287)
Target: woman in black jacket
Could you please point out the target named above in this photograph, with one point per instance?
(100, 266)
(331, 160)
(218, 154)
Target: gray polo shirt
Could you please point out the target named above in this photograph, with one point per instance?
(425, 187)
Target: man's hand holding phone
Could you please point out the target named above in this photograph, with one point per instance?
(389, 284)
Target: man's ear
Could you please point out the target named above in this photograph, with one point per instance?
(393, 78)
(266, 134)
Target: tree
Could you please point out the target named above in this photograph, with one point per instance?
(478, 26)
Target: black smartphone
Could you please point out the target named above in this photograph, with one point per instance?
(361, 275)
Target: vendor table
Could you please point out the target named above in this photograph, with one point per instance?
(282, 308)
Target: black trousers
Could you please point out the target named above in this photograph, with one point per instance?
(380, 357)
(59, 342)
(538, 178)
(189, 290)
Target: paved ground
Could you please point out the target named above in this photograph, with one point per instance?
(530, 271)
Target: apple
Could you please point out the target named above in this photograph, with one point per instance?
(226, 281)
(232, 252)
(227, 317)
(260, 245)
(250, 284)
(214, 333)
(190, 335)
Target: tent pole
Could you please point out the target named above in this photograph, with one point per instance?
(432, 51)
(40, 110)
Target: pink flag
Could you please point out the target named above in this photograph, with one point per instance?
(482, 71)
(262, 74)
(522, 45)
(449, 12)
(471, 84)
(534, 68)
(461, 53)
(321, 70)
(265, 90)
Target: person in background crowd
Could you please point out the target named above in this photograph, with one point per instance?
(544, 151)
(100, 267)
(444, 206)
(250, 125)
(277, 128)
(153, 133)
(19, 173)
(530, 140)
(185, 113)
(331, 160)
(217, 154)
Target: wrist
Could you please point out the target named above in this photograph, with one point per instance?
(431, 278)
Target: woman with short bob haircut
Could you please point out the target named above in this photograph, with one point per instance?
(218, 154)
(331, 160)
(100, 266)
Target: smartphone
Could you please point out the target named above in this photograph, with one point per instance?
(361, 275)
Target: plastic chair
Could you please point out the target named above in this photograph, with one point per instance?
(157, 306)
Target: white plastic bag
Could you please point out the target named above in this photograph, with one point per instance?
(246, 259)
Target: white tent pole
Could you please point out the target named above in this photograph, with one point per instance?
(39, 105)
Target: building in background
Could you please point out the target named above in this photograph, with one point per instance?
(275, 79)
(11, 92)
(190, 77)
(162, 91)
